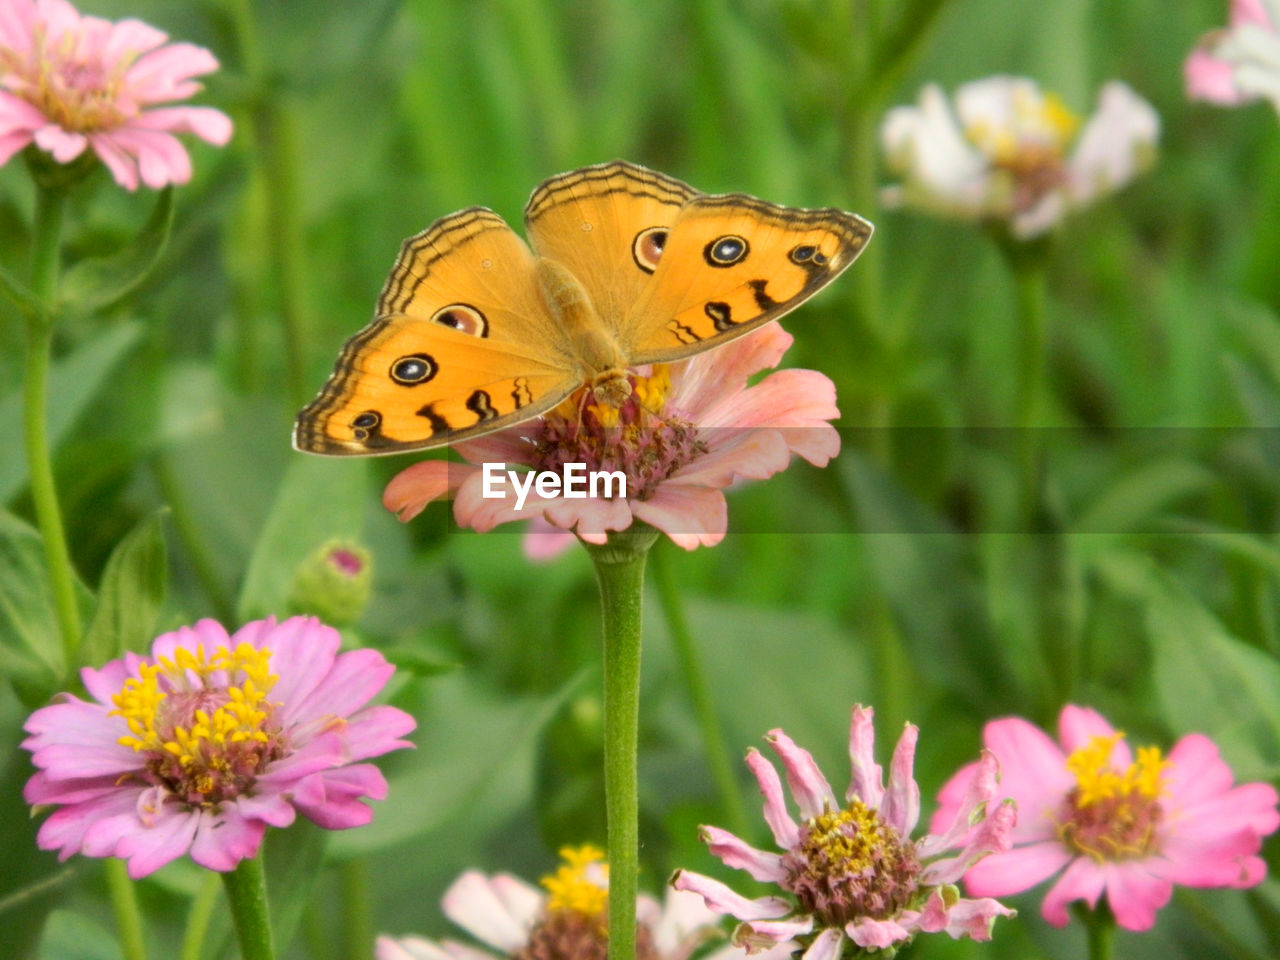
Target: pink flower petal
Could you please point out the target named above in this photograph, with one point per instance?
(722, 899)
(1020, 869)
(691, 516)
(1134, 895)
(168, 837)
(876, 934)
(827, 945)
(473, 904)
(356, 676)
(1033, 771)
(809, 788)
(736, 853)
(901, 805)
(786, 833)
(226, 837)
(867, 783)
(210, 125)
(1082, 880)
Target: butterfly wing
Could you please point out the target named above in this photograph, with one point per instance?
(461, 345)
(603, 224)
(731, 263)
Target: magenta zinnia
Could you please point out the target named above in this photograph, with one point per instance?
(688, 430)
(70, 82)
(213, 738)
(564, 921)
(851, 870)
(1115, 825)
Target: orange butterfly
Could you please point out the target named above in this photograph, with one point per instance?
(475, 332)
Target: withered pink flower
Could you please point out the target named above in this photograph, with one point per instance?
(213, 738)
(851, 870)
(689, 430)
(70, 82)
(1109, 825)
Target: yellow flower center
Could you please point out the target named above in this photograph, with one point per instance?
(580, 885)
(203, 720)
(1030, 150)
(1113, 814)
(76, 92)
(851, 864)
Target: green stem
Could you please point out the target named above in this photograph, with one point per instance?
(1027, 261)
(713, 741)
(1100, 927)
(620, 574)
(246, 888)
(124, 904)
(198, 917)
(50, 205)
(357, 911)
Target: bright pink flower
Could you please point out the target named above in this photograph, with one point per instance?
(689, 430)
(209, 741)
(68, 82)
(1115, 826)
(1242, 62)
(853, 870)
(514, 918)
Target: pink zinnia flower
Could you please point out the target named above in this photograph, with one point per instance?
(690, 429)
(1114, 826)
(68, 82)
(1242, 62)
(213, 738)
(852, 869)
(516, 919)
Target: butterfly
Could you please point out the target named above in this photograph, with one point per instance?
(475, 332)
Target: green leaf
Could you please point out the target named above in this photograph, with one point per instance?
(320, 499)
(130, 595)
(20, 295)
(30, 651)
(1209, 681)
(74, 381)
(96, 283)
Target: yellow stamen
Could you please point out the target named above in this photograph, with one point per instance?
(1098, 781)
(580, 884)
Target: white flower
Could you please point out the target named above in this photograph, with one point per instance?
(1242, 62)
(1005, 150)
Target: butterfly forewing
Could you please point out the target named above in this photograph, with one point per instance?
(462, 345)
(607, 224)
(732, 263)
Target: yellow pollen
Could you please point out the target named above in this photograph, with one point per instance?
(1097, 781)
(580, 884)
(202, 741)
(1040, 130)
(849, 850)
(605, 414)
(651, 392)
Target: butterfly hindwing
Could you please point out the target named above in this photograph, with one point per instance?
(731, 263)
(462, 345)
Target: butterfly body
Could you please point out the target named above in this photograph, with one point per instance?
(474, 331)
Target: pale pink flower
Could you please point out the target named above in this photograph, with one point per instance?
(1242, 62)
(1112, 826)
(514, 918)
(1004, 150)
(213, 738)
(690, 429)
(852, 870)
(70, 82)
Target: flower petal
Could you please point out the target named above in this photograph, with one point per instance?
(736, 853)
(809, 788)
(786, 832)
(722, 899)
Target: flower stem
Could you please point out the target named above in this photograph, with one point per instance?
(713, 742)
(620, 574)
(246, 888)
(198, 917)
(357, 911)
(1100, 925)
(124, 904)
(50, 205)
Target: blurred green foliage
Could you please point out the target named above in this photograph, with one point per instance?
(899, 576)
